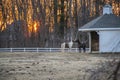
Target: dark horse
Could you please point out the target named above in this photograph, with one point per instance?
(81, 45)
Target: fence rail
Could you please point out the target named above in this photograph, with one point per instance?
(39, 50)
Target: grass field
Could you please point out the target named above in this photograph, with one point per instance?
(51, 66)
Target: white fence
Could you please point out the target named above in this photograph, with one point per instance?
(39, 50)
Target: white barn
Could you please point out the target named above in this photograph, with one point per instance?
(107, 30)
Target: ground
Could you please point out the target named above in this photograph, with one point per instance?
(51, 66)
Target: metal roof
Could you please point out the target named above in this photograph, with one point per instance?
(104, 22)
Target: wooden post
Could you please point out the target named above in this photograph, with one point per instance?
(50, 50)
(24, 49)
(37, 50)
(11, 50)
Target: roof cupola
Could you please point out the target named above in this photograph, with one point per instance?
(107, 9)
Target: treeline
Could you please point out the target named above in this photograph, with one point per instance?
(46, 23)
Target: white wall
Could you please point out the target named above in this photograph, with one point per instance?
(109, 41)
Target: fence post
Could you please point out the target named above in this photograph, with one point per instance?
(76, 49)
(50, 49)
(37, 50)
(24, 49)
(11, 50)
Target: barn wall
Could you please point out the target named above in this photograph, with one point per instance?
(109, 41)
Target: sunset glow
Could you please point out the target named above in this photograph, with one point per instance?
(35, 26)
(17, 10)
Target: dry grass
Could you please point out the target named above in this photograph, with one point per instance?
(52, 66)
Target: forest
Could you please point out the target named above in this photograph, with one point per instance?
(46, 23)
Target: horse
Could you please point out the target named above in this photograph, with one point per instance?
(66, 45)
(81, 45)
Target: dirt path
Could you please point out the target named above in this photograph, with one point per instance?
(50, 66)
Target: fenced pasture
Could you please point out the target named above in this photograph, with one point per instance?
(55, 66)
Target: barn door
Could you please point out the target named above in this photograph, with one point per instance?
(94, 41)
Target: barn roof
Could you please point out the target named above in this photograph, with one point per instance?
(104, 22)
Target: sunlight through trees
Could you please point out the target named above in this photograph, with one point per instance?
(51, 20)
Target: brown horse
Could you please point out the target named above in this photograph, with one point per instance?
(81, 45)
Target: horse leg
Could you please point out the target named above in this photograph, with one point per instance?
(62, 47)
